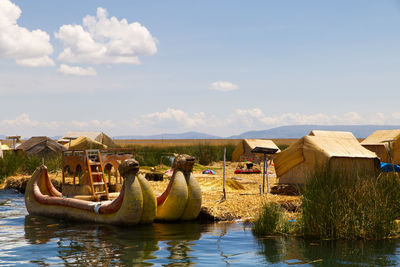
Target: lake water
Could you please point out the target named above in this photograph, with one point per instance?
(38, 241)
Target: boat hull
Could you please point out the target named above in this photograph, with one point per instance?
(181, 200)
(135, 204)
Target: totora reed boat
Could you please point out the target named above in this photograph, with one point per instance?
(182, 198)
(135, 204)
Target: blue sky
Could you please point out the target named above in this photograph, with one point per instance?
(219, 67)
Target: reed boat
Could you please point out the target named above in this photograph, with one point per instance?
(182, 198)
(136, 202)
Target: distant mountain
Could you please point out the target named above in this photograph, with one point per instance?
(188, 135)
(297, 131)
(294, 131)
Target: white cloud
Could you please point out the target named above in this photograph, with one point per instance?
(223, 86)
(177, 121)
(28, 48)
(76, 70)
(103, 40)
(379, 118)
(256, 118)
(25, 125)
(22, 120)
(396, 115)
(174, 118)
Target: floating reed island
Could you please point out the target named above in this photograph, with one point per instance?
(243, 200)
(344, 192)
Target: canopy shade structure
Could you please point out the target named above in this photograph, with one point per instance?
(264, 150)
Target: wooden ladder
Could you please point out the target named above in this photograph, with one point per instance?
(96, 174)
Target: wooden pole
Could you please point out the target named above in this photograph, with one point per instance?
(266, 171)
(265, 156)
(223, 184)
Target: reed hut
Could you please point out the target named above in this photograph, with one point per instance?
(383, 142)
(243, 152)
(97, 136)
(294, 164)
(41, 146)
(84, 142)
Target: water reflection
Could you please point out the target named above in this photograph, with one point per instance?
(294, 251)
(43, 241)
(88, 244)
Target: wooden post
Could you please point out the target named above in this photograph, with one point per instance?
(223, 183)
(265, 156)
(266, 171)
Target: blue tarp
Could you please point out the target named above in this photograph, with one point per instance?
(388, 167)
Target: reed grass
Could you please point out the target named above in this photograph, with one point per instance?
(339, 204)
(204, 154)
(271, 220)
(350, 205)
(18, 163)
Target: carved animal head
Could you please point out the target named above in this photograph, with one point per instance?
(128, 166)
(183, 162)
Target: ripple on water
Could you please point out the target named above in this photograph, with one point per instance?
(35, 240)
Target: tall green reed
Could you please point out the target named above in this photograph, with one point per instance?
(18, 163)
(271, 220)
(350, 205)
(204, 154)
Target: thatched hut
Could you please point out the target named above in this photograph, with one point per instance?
(243, 152)
(383, 142)
(84, 142)
(41, 146)
(97, 136)
(295, 163)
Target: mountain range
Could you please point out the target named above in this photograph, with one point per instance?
(187, 135)
(297, 131)
(293, 131)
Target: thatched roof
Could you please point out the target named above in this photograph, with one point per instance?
(338, 134)
(97, 136)
(382, 142)
(83, 142)
(40, 146)
(382, 135)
